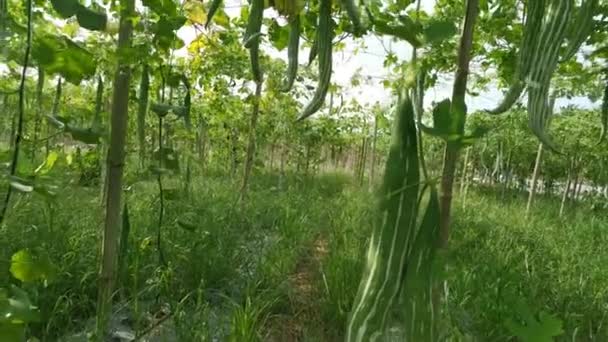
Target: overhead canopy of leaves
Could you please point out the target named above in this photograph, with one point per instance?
(60, 55)
(88, 18)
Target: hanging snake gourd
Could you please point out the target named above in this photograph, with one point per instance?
(581, 28)
(544, 62)
(215, 5)
(394, 235)
(252, 37)
(355, 17)
(549, 24)
(532, 25)
(325, 34)
(292, 53)
(416, 294)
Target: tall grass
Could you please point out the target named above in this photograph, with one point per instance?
(498, 262)
(215, 250)
(230, 268)
(555, 265)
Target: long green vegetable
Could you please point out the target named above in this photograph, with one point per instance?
(251, 40)
(416, 294)
(581, 28)
(325, 34)
(314, 49)
(355, 16)
(393, 234)
(254, 24)
(292, 52)
(543, 63)
(215, 5)
(549, 23)
(532, 26)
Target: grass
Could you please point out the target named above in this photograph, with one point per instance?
(231, 269)
(244, 254)
(500, 258)
(500, 267)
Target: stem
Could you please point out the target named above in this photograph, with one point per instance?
(116, 159)
(141, 113)
(566, 189)
(39, 94)
(98, 104)
(577, 181)
(54, 110)
(418, 100)
(507, 170)
(251, 145)
(18, 136)
(161, 210)
(537, 164)
(96, 125)
(458, 105)
(11, 135)
(465, 169)
(372, 169)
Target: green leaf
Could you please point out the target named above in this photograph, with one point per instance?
(12, 332)
(437, 31)
(185, 225)
(161, 7)
(45, 167)
(222, 19)
(85, 135)
(162, 109)
(66, 8)
(91, 20)
(165, 28)
(61, 55)
(174, 79)
(543, 329)
(29, 268)
(279, 36)
(405, 29)
(441, 117)
(16, 308)
(195, 12)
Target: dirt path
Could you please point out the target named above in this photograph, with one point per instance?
(303, 297)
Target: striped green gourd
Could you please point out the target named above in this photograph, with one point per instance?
(581, 28)
(416, 302)
(533, 22)
(355, 17)
(325, 35)
(397, 252)
(312, 55)
(540, 55)
(215, 5)
(254, 23)
(252, 37)
(293, 50)
(544, 62)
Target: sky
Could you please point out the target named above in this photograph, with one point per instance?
(368, 62)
